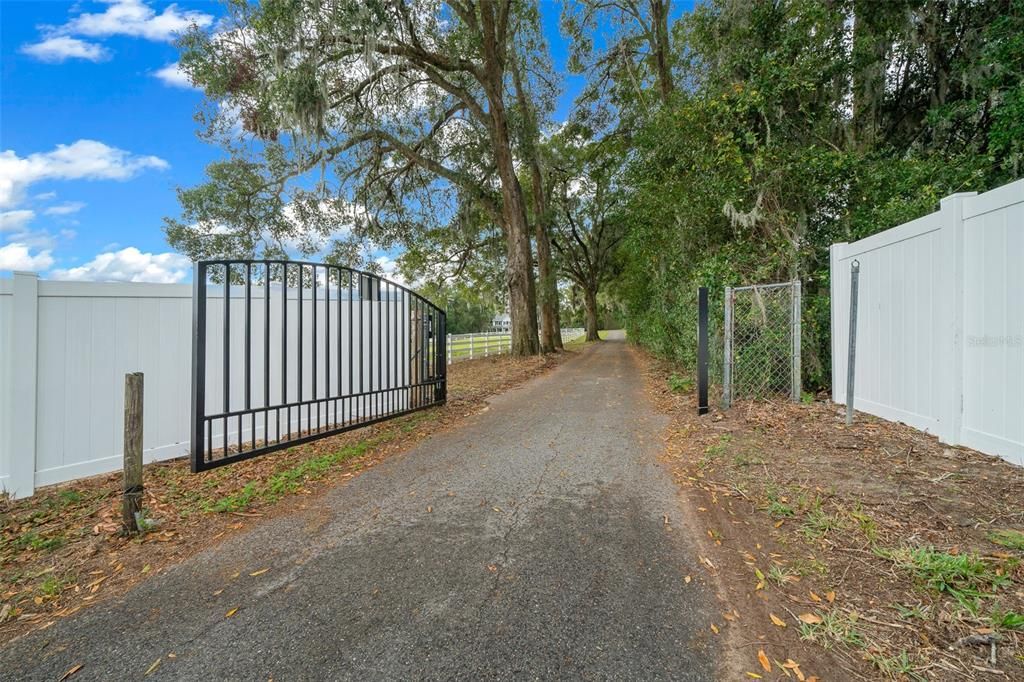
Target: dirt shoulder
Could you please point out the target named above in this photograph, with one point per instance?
(863, 552)
(61, 550)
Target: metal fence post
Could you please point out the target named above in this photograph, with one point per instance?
(702, 350)
(851, 358)
(796, 331)
(727, 359)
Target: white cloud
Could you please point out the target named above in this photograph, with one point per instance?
(173, 76)
(15, 220)
(136, 19)
(389, 268)
(65, 209)
(20, 257)
(56, 49)
(81, 160)
(130, 265)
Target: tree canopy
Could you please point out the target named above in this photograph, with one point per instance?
(726, 145)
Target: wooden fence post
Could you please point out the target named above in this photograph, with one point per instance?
(131, 504)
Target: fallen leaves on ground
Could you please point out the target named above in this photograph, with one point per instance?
(52, 543)
(924, 542)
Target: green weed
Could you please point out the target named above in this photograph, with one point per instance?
(679, 384)
(965, 577)
(1007, 537)
(780, 575)
(818, 523)
(291, 479)
(865, 524)
(1007, 620)
(836, 627)
(894, 666)
(51, 587)
(918, 611)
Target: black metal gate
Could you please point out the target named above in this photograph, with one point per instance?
(285, 352)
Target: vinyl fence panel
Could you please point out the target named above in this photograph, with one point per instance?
(66, 346)
(940, 335)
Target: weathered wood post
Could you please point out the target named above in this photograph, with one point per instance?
(131, 504)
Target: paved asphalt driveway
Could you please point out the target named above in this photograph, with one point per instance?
(530, 543)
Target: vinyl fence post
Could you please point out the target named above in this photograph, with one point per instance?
(131, 501)
(448, 347)
(796, 331)
(471, 337)
(850, 371)
(727, 359)
(702, 350)
(487, 344)
(22, 371)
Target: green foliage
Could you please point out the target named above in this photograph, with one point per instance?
(679, 384)
(1008, 620)
(965, 577)
(787, 141)
(834, 627)
(1007, 537)
(290, 479)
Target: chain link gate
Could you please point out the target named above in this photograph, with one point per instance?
(762, 342)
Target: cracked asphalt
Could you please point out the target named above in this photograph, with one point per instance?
(529, 543)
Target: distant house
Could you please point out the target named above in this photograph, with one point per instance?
(502, 322)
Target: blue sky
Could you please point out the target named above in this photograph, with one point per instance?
(96, 133)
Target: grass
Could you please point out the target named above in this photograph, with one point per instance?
(716, 450)
(51, 587)
(778, 506)
(819, 523)
(295, 477)
(1007, 620)
(836, 627)
(679, 384)
(907, 611)
(1007, 537)
(896, 667)
(966, 578)
(867, 525)
(36, 542)
(290, 479)
(780, 575)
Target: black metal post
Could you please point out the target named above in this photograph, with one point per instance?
(702, 350)
(197, 454)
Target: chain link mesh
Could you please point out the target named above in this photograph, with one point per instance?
(763, 348)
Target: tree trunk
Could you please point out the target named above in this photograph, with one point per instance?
(590, 303)
(550, 323)
(659, 21)
(870, 49)
(522, 297)
(551, 330)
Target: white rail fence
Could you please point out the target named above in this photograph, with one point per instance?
(940, 335)
(485, 344)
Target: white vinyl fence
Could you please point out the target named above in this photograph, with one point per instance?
(64, 350)
(940, 334)
(485, 344)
